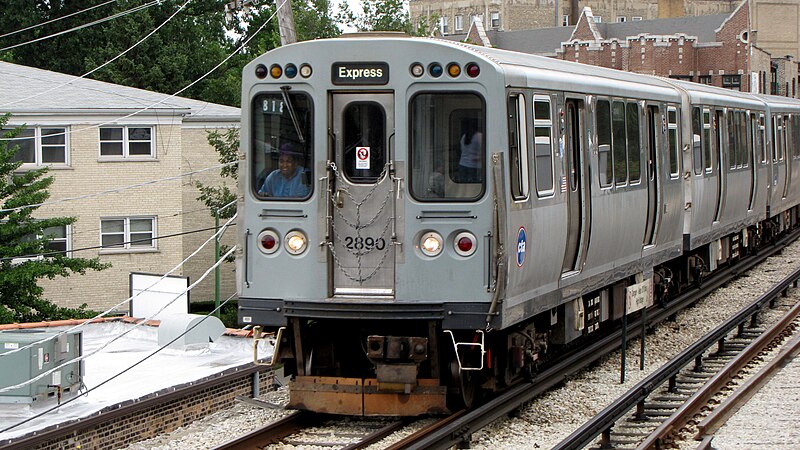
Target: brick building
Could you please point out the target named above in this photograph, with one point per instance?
(776, 21)
(98, 137)
(719, 50)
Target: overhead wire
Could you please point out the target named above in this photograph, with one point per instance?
(113, 377)
(135, 9)
(201, 78)
(123, 53)
(132, 297)
(31, 27)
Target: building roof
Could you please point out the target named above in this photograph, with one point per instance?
(30, 90)
(544, 41)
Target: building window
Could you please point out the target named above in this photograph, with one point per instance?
(40, 146)
(732, 82)
(598, 19)
(459, 23)
(495, 20)
(704, 79)
(565, 20)
(58, 241)
(636, 18)
(127, 142)
(128, 233)
(621, 19)
(443, 25)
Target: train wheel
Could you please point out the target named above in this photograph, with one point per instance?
(463, 389)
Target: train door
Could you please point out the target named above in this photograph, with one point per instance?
(578, 195)
(655, 131)
(719, 116)
(361, 204)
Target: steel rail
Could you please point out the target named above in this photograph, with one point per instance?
(606, 419)
(716, 418)
(271, 433)
(692, 406)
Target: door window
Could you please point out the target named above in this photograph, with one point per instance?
(364, 137)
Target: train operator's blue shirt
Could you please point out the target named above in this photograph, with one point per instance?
(276, 185)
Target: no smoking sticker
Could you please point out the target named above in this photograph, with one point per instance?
(362, 157)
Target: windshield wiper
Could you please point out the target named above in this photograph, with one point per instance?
(288, 102)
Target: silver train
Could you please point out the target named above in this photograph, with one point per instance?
(425, 220)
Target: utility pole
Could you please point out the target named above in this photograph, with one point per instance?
(286, 22)
(285, 17)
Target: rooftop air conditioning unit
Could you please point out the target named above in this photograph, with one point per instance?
(35, 359)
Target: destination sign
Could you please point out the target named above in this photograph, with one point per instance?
(360, 73)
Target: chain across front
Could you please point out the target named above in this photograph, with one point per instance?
(358, 226)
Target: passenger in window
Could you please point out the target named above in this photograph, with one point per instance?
(470, 165)
(289, 179)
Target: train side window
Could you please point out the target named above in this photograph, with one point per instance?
(761, 139)
(744, 160)
(606, 166)
(618, 146)
(634, 142)
(518, 146)
(543, 144)
(778, 141)
(697, 141)
(707, 163)
(733, 152)
(674, 146)
(796, 135)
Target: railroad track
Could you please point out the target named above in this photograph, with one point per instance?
(673, 403)
(303, 429)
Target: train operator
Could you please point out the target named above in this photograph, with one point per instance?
(287, 180)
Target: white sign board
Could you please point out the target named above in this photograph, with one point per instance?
(638, 295)
(362, 157)
(150, 293)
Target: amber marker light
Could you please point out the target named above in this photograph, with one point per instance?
(453, 70)
(275, 71)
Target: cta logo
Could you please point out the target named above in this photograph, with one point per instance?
(521, 246)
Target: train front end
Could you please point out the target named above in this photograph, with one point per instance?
(368, 221)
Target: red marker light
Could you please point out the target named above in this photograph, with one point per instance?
(465, 244)
(473, 70)
(268, 241)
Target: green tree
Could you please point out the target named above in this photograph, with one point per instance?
(383, 15)
(215, 197)
(192, 43)
(22, 235)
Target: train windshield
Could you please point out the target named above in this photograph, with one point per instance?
(448, 149)
(281, 146)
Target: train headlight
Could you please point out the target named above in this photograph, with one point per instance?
(431, 243)
(417, 70)
(296, 242)
(305, 71)
(268, 241)
(465, 243)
